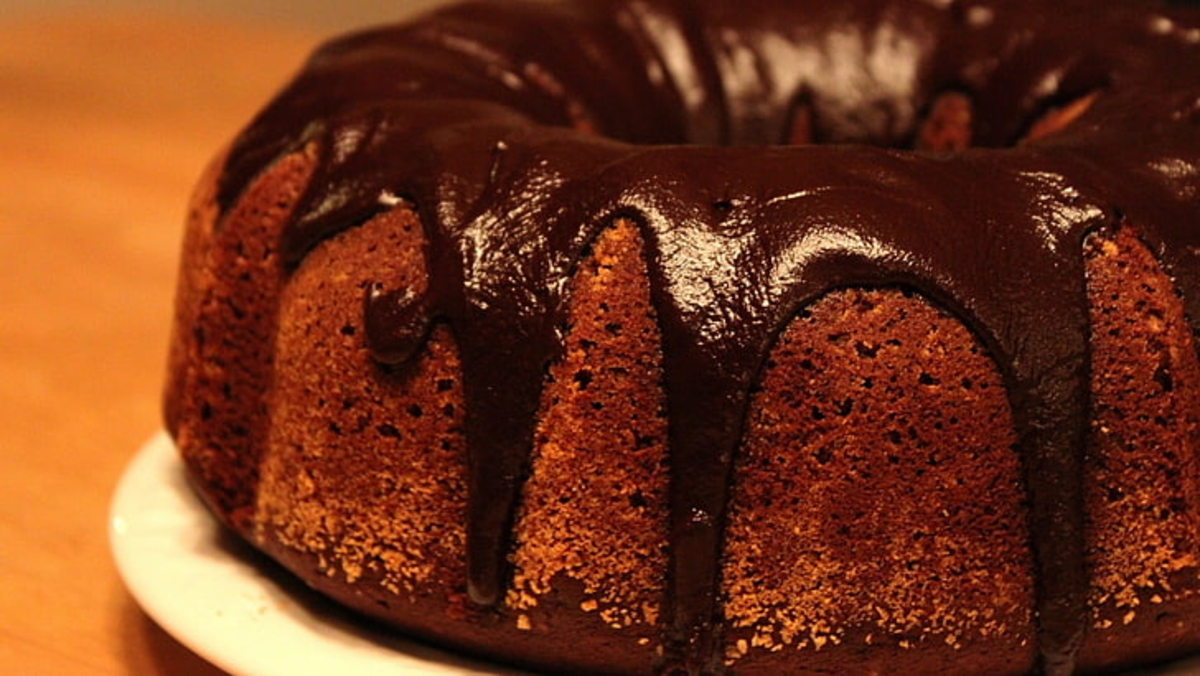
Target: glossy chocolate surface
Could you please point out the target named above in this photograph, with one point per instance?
(519, 130)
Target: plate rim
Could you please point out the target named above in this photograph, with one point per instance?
(186, 573)
(216, 595)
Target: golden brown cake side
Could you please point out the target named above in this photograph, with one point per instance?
(222, 359)
(1143, 503)
(593, 516)
(878, 516)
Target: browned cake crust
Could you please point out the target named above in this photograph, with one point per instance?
(1142, 473)
(857, 519)
(222, 354)
(877, 519)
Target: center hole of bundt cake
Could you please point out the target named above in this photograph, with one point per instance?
(949, 122)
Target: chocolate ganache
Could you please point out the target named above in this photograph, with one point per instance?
(518, 130)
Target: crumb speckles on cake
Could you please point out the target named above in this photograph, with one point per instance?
(370, 488)
(1143, 488)
(594, 507)
(847, 551)
(219, 419)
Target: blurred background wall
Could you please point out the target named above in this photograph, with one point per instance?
(325, 16)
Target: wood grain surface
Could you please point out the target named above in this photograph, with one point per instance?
(105, 121)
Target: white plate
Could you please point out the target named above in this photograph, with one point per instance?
(227, 603)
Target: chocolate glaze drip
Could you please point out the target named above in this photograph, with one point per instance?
(481, 116)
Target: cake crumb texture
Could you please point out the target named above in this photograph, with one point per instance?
(225, 330)
(367, 473)
(858, 515)
(1142, 471)
(594, 507)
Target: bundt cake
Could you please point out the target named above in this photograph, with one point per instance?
(687, 336)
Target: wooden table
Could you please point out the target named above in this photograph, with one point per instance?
(105, 122)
